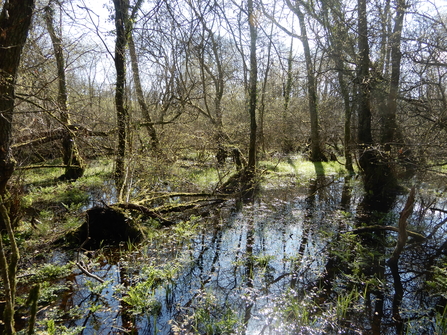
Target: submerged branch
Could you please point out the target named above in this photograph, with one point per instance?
(89, 274)
(403, 235)
(416, 236)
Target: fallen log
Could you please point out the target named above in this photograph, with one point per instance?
(53, 135)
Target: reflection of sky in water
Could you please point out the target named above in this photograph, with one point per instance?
(281, 225)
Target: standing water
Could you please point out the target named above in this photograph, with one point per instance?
(294, 260)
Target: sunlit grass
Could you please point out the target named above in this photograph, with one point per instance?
(204, 178)
(45, 187)
(300, 167)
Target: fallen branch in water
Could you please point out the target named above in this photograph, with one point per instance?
(156, 213)
(89, 274)
(402, 232)
(166, 195)
(417, 236)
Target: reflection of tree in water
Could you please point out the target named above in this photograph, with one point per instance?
(287, 262)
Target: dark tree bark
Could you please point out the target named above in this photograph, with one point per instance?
(72, 160)
(378, 176)
(252, 87)
(15, 20)
(364, 135)
(121, 18)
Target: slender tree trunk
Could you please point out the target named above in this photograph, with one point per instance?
(72, 160)
(121, 8)
(316, 152)
(389, 121)
(252, 88)
(364, 96)
(347, 126)
(15, 20)
(154, 142)
(264, 91)
(336, 35)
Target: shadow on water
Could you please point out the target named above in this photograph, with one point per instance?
(292, 260)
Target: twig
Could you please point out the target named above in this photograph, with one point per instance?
(89, 274)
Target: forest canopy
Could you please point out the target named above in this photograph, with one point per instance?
(187, 79)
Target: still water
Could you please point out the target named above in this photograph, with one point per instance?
(286, 262)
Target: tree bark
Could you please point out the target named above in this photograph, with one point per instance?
(121, 18)
(15, 20)
(154, 142)
(252, 95)
(378, 175)
(389, 121)
(337, 37)
(72, 160)
(316, 152)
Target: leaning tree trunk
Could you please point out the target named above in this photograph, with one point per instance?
(154, 142)
(121, 7)
(15, 20)
(316, 152)
(72, 160)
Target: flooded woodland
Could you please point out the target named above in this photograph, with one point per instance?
(303, 253)
(252, 167)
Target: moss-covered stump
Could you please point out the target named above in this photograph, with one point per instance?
(107, 225)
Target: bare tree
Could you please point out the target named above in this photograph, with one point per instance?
(252, 89)
(121, 21)
(71, 157)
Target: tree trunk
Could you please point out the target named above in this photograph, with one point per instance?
(15, 20)
(154, 142)
(389, 122)
(121, 8)
(264, 92)
(72, 160)
(14, 23)
(316, 152)
(252, 94)
(337, 36)
(378, 176)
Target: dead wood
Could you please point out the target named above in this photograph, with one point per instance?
(166, 195)
(403, 235)
(156, 213)
(53, 135)
(418, 237)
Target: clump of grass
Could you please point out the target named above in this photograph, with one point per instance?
(208, 317)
